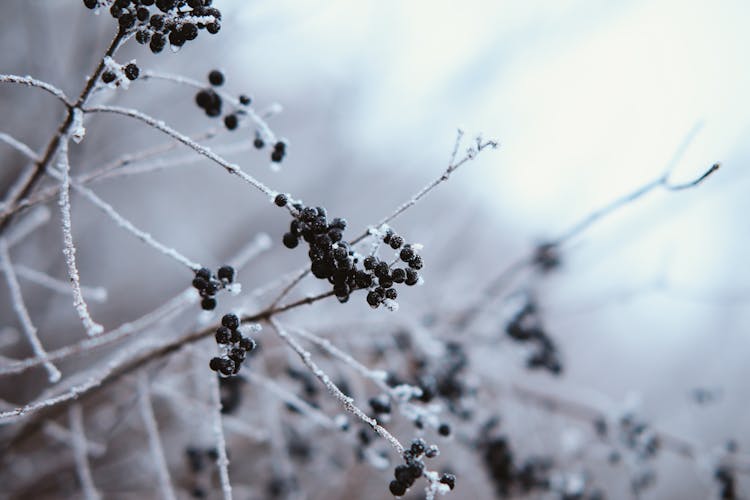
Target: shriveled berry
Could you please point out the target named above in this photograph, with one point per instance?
(247, 344)
(223, 335)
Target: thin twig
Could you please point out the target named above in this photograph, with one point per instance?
(23, 314)
(198, 148)
(154, 441)
(18, 146)
(69, 250)
(80, 453)
(97, 294)
(33, 82)
(346, 401)
(222, 461)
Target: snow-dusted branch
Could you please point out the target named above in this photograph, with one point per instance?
(346, 401)
(154, 441)
(222, 461)
(80, 453)
(69, 250)
(18, 146)
(23, 314)
(33, 82)
(198, 148)
(471, 153)
(97, 294)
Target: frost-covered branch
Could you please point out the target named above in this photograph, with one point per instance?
(75, 415)
(33, 82)
(346, 401)
(69, 250)
(198, 148)
(97, 294)
(154, 441)
(222, 461)
(23, 314)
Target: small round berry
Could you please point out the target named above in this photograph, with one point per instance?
(157, 42)
(156, 21)
(280, 146)
(203, 273)
(258, 143)
(373, 299)
(231, 122)
(277, 156)
(142, 37)
(132, 71)
(245, 100)
(444, 429)
(449, 480)
(215, 364)
(391, 294)
(228, 367)
(208, 304)
(237, 355)
(236, 337)
(108, 77)
(142, 14)
(223, 335)
(370, 262)
(418, 446)
(432, 451)
(200, 284)
(90, 4)
(381, 269)
(398, 275)
(126, 21)
(213, 28)
(281, 200)
(247, 344)
(231, 321)
(397, 488)
(189, 31)
(176, 39)
(216, 78)
(226, 273)
(396, 242)
(406, 254)
(290, 240)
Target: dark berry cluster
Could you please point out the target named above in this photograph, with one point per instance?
(413, 467)
(526, 327)
(211, 103)
(333, 259)
(208, 285)
(158, 22)
(236, 346)
(115, 74)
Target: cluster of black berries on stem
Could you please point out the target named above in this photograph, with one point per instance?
(208, 285)
(413, 468)
(158, 22)
(115, 73)
(235, 345)
(333, 259)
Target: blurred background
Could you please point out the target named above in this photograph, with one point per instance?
(589, 101)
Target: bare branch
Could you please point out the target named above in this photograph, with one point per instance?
(33, 82)
(198, 148)
(23, 314)
(154, 441)
(75, 414)
(222, 462)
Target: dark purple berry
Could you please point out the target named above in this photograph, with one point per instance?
(290, 240)
(280, 200)
(226, 273)
(132, 71)
(231, 122)
(223, 335)
(216, 78)
(231, 321)
(208, 303)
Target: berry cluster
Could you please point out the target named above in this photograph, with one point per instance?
(208, 285)
(235, 346)
(115, 73)
(526, 327)
(333, 259)
(173, 21)
(406, 474)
